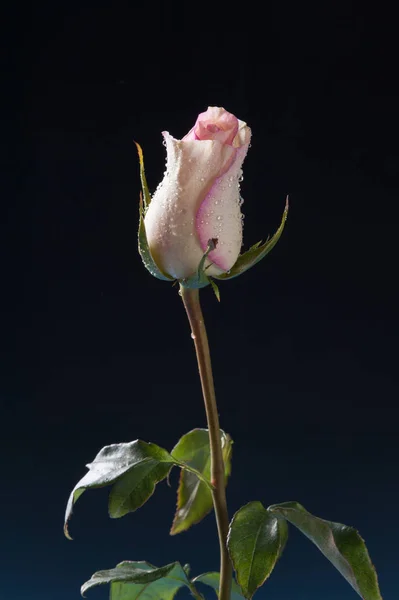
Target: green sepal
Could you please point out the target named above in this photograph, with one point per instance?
(215, 289)
(130, 580)
(144, 185)
(200, 279)
(256, 252)
(340, 544)
(144, 249)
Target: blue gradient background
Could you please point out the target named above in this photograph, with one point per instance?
(304, 347)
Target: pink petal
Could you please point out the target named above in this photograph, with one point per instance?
(219, 217)
(214, 124)
(192, 168)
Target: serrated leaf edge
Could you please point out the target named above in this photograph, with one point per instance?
(228, 443)
(89, 584)
(274, 508)
(79, 490)
(278, 554)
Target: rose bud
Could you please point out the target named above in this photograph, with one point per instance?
(192, 226)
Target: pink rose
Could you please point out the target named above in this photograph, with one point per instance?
(199, 197)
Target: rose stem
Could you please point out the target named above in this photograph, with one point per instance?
(193, 309)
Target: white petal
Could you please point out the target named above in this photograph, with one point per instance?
(191, 170)
(219, 217)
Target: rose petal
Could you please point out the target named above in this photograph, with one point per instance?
(214, 124)
(191, 170)
(202, 175)
(243, 135)
(219, 217)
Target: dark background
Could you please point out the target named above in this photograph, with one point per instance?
(304, 346)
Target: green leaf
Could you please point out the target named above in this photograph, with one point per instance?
(194, 497)
(256, 252)
(212, 579)
(342, 545)
(255, 541)
(129, 580)
(134, 468)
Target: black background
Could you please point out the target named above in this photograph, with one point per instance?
(304, 346)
